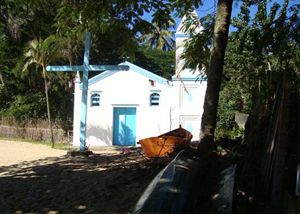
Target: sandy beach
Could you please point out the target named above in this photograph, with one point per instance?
(38, 179)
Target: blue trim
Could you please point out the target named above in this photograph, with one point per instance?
(99, 77)
(125, 105)
(148, 74)
(135, 68)
(189, 127)
(86, 57)
(189, 79)
(95, 92)
(65, 68)
(85, 83)
(182, 35)
(155, 90)
(86, 67)
(190, 97)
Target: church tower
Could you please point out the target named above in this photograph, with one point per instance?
(181, 36)
(189, 89)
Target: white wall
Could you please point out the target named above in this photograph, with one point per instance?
(76, 113)
(131, 89)
(127, 89)
(190, 111)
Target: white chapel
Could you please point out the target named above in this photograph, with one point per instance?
(126, 106)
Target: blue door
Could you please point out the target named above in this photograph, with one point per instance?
(124, 126)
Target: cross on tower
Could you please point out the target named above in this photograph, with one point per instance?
(86, 67)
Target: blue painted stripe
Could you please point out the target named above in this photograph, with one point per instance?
(65, 68)
(182, 35)
(107, 67)
(189, 79)
(189, 127)
(125, 105)
(148, 74)
(87, 67)
(134, 68)
(101, 77)
(87, 49)
(190, 97)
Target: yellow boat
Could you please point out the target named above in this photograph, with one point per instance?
(165, 144)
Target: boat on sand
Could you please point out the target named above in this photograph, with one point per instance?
(166, 144)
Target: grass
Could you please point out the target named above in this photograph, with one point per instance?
(56, 145)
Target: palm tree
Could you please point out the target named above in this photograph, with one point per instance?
(160, 38)
(41, 53)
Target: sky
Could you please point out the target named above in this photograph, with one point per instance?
(209, 6)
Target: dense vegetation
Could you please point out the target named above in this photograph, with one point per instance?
(260, 75)
(34, 34)
(260, 49)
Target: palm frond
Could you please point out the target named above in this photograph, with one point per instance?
(27, 63)
(160, 37)
(45, 45)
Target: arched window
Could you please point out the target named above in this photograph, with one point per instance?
(95, 100)
(154, 99)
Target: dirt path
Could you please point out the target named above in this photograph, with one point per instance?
(13, 152)
(102, 183)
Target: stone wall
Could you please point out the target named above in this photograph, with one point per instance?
(33, 130)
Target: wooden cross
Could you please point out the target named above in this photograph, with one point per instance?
(86, 67)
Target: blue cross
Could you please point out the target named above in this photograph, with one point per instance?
(86, 67)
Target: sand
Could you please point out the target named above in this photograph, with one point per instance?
(13, 152)
(38, 179)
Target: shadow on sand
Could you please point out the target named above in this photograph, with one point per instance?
(97, 184)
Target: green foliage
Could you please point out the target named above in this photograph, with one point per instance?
(27, 106)
(160, 38)
(115, 25)
(232, 99)
(259, 52)
(4, 101)
(233, 133)
(117, 20)
(27, 21)
(258, 55)
(156, 61)
(197, 48)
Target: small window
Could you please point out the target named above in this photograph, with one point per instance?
(95, 100)
(154, 99)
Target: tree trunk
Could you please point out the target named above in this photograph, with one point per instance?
(48, 106)
(4, 83)
(214, 72)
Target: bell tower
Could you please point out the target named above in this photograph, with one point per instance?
(181, 36)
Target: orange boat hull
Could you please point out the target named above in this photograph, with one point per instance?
(164, 145)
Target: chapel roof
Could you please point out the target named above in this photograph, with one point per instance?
(134, 68)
